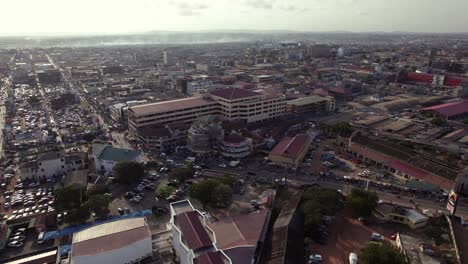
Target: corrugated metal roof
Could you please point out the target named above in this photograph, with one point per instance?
(234, 93)
(449, 109)
(193, 231)
(109, 228)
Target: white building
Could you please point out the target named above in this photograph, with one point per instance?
(105, 156)
(118, 242)
(53, 164)
(231, 103)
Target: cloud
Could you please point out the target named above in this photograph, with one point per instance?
(292, 8)
(261, 4)
(187, 8)
(363, 13)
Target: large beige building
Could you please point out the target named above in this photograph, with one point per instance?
(231, 103)
(312, 104)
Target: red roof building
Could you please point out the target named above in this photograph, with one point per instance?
(453, 110)
(420, 77)
(291, 150)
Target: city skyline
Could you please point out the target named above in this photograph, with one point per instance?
(54, 17)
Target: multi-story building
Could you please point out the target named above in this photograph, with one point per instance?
(231, 240)
(205, 134)
(236, 146)
(231, 103)
(53, 164)
(290, 151)
(311, 104)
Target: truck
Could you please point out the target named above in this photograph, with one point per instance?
(352, 258)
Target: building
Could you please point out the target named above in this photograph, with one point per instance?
(49, 76)
(231, 103)
(116, 112)
(230, 240)
(449, 111)
(311, 104)
(205, 134)
(344, 52)
(122, 241)
(290, 151)
(53, 164)
(286, 239)
(400, 214)
(318, 51)
(106, 156)
(192, 239)
(413, 249)
(164, 138)
(264, 78)
(402, 162)
(235, 146)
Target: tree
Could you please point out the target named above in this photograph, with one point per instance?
(164, 191)
(317, 203)
(381, 253)
(128, 172)
(214, 192)
(67, 199)
(78, 215)
(363, 202)
(89, 137)
(99, 204)
(202, 191)
(222, 195)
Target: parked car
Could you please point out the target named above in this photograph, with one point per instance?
(15, 244)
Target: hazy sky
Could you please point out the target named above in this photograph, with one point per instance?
(125, 16)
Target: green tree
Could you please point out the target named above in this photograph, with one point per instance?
(222, 195)
(363, 202)
(381, 253)
(164, 191)
(317, 203)
(128, 172)
(78, 215)
(67, 199)
(202, 191)
(99, 204)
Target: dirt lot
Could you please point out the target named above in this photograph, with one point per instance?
(347, 235)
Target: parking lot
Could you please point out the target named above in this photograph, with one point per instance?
(347, 235)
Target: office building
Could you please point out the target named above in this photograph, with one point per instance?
(230, 103)
(311, 104)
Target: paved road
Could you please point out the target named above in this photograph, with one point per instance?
(390, 197)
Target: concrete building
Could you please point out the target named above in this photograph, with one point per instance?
(452, 110)
(53, 164)
(235, 146)
(164, 138)
(118, 242)
(290, 151)
(311, 104)
(231, 103)
(413, 249)
(105, 156)
(231, 240)
(400, 214)
(205, 134)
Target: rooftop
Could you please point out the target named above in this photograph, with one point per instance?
(234, 93)
(291, 147)
(411, 214)
(114, 154)
(110, 236)
(411, 245)
(241, 230)
(307, 100)
(172, 105)
(193, 231)
(449, 109)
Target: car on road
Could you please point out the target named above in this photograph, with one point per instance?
(315, 258)
(377, 237)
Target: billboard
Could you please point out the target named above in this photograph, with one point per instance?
(452, 202)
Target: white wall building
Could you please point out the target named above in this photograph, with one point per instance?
(105, 156)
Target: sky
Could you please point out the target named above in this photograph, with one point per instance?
(46, 17)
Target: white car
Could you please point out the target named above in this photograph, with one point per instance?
(377, 237)
(222, 165)
(15, 244)
(315, 258)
